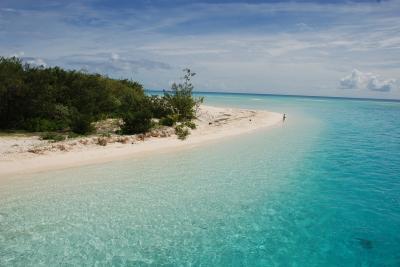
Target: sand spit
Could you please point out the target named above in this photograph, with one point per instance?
(29, 154)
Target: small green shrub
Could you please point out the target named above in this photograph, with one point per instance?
(53, 137)
(136, 122)
(73, 135)
(181, 99)
(169, 120)
(181, 131)
(190, 124)
(82, 124)
(40, 125)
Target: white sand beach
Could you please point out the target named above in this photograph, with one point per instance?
(29, 154)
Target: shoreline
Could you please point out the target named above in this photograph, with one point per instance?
(213, 123)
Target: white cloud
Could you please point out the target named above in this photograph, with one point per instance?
(113, 64)
(8, 10)
(367, 81)
(34, 61)
(114, 56)
(18, 54)
(375, 84)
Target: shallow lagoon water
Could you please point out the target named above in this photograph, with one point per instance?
(322, 189)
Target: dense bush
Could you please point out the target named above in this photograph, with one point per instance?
(49, 99)
(136, 122)
(39, 125)
(42, 99)
(169, 120)
(160, 107)
(82, 124)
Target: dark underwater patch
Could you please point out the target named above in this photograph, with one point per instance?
(365, 243)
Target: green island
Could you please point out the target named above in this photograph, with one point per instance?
(61, 103)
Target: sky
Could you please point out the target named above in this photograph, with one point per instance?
(326, 48)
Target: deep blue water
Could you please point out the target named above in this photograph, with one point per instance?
(322, 189)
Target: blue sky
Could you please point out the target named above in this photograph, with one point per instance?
(330, 48)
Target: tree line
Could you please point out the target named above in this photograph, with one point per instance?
(43, 99)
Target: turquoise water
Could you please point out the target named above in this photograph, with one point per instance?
(322, 189)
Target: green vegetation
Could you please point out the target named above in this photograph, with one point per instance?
(52, 99)
(169, 120)
(190, 124)
(82, 124)
(52, 137)
(73, 135)
(137, 122)
(181, 131)
(38, 99)
(181, 101)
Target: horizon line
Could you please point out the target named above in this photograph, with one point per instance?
(286, 95)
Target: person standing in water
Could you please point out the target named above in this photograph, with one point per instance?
(284, 116)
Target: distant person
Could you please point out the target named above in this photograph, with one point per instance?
(284, 116)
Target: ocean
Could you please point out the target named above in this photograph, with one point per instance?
(320, 189)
